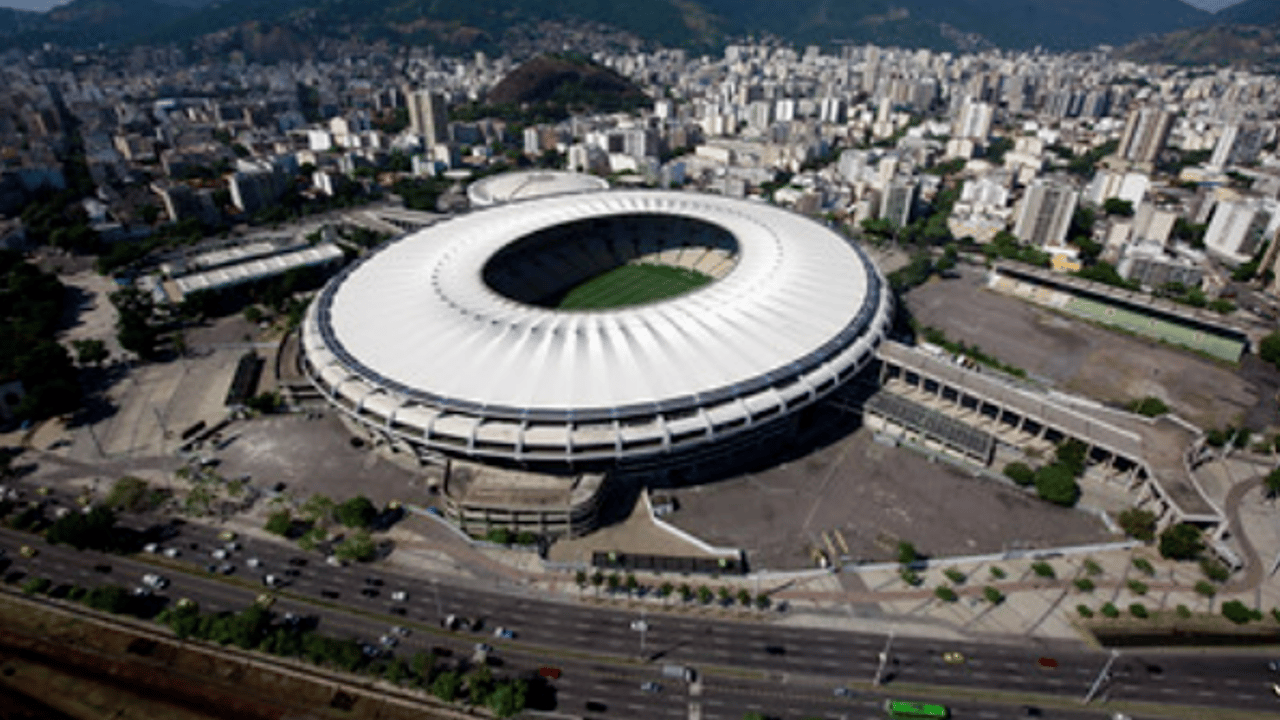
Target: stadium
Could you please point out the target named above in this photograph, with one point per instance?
(596, 330)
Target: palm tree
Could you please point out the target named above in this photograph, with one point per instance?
(581, 579)
(686, 592)
(631, 583)
(597, 579)
(744, 597)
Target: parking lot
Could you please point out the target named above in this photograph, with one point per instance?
(1082, 358)
(874, 496)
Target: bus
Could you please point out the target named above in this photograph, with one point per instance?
(911, 710)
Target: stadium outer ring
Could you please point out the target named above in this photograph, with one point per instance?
(411, 343)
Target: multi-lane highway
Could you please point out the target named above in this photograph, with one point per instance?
(744, 666)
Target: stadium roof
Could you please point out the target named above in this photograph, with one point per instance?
(416, 320)
(506, 187)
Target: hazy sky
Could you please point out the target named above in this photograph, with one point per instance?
(1210, 5)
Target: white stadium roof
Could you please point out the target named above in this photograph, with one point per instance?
(416, 337)
(507, 187)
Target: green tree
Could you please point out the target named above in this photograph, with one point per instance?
(954, 575)
(1237, 612)
(1269, 349)
(318, 509)
(1020, 473)
(446, 686)
(1110, 611)
(1084, 611)
(479, 684)
(135, 323)
(1072, 455)
(358, 547)
(597, 579)
(1215, 570)
(763, 601)
(1057, 484)
(1084, 585)
(1272, 483)
(744, 597)
(1138, 610)
(279, 522)
(631, 583)
(907, 553)
(1138, 524)
(705, 595)
(993, 596)
(91, 351)
(1145, 566)
(945, 593)
(358, 512)
(508, 698)
(1092, 567)
(1137, 587)
(1116, 206)
(1043, 569)
(580, 579)
(1181, 542)
(95, 530)
(615, 582)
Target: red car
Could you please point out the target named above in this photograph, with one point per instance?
(549, 672)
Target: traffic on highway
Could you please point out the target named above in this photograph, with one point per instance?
(611, 663)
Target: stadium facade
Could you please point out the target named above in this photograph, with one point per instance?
(449, 341)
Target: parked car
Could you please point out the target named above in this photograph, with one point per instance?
(28, 552)
(388, 641)
(843, 692)
(650, 686)
(401, 631)
(172, 552)
(226, 568)
(504, 633)
(227, 535)
(253, 562)
(549, 672)
(151, 548)
(219, 554)
(399, 596)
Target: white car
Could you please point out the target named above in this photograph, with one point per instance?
(219, 554)
(388, 641)
(401, 631)
(151, 547)
(271, 581)
(504, 633)
(152, 580)
(171, 552)
(253, 562)
(399, 596)
(232, 546)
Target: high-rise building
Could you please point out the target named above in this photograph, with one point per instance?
(896, 203)
(1145, 132)
(428, 118)
(1045, 213)
(1238, 145)
(1239, 228)
(974, 121)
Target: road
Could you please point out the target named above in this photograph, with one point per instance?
(744, 666)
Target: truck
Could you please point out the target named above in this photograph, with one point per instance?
(678, 671)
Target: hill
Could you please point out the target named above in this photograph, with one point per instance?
(1214, 45)
(1250, 12)
(701, 25)
(563, 79)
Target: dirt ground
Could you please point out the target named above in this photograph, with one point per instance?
(874, 496)
(1079, 357)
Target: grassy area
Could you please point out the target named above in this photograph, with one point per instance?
(632, 285)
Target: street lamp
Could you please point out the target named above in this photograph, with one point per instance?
(884, 658)
(1103, 675)
(642, 626)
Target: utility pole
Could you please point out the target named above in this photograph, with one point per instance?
(1103, 675)
(884, 659)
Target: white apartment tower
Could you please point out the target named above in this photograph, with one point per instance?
(428, 118)
(1237, 145)
(1045, 213)
(1145, 132)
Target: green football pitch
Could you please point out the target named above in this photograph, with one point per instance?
(632, 285)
